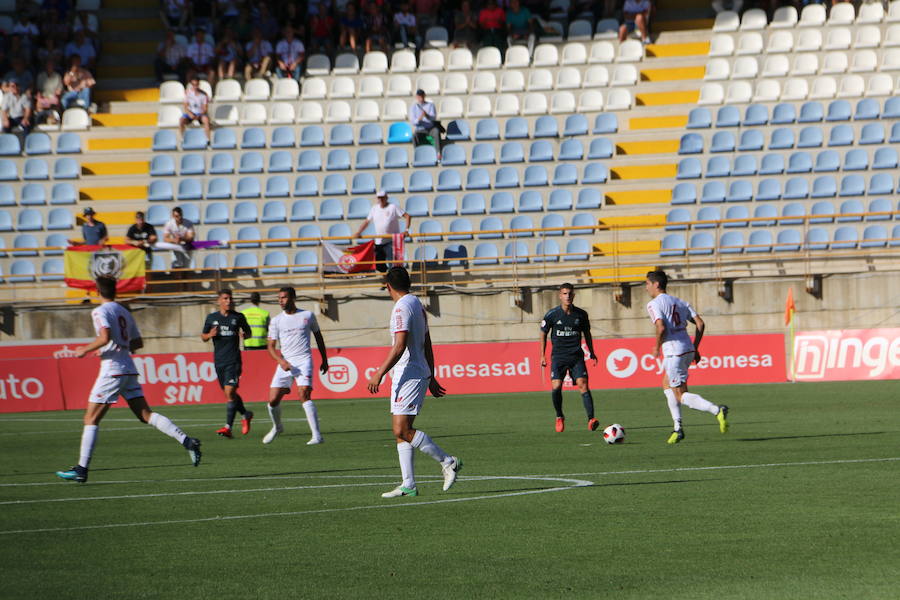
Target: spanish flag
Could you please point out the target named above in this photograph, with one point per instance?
(86, 263)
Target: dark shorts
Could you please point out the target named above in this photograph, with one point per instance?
(229, 374)
(573, 365)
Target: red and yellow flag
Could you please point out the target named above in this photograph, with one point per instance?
(85, 263)
(789, 307)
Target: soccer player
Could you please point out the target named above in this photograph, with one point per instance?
(566, 324)
(224, 327)
(291, 330)
(412, 359)
(117, 337)
(670, 316)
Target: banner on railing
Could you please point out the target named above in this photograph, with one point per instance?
(847, 354)
(57, 380)
(84, 264)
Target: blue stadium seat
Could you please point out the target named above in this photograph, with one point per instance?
(453, 155)
(768, 189)
(535, 176)
(487, 129)
(799, 162)
(342, 231)
(545, 126)
(6, 221)
(221, 164)
(731, 242)
(306, 261)
(444, 205)
(822, 212)
(282, 137)
(245, 212)
(785, 114)
(713, 191)
(885, 158)
(190, 211)
(251, 162)
(190, 189)
(755, 115)
(795, 188)
(224, 138)
(162, 165)
(811, 112)
(874, 236)
(458, 131)
(767, 213)
(740, 190)
(588, 198)
(331, 209)
(400, 133)
(216, 214)
(7, 195)
(35, 143)
(339, 160)
(37, 168)
(690, 143)
(772, 164)
(845, 238)
(881, 184)
(309, 160)
(218, 188)
(571, 149)
(474, 204)
(688, 168)
(309, 230)
(312, 135)
(192, 164)
(737, 216)
(788, 240)
(891, 108)
(278, 232)
(194, 139)
(841, 135)
(575, 125)
(25, 241)
(64, 193)
(416, 206)
(677, 219)
(744, 165)
(63, 168)
(760, 241)
(429, 231)
(69, 142)
(302, 210)
(699, 118)
(872, 133)
(485, 254)
(850, 211)
(510, 152)
(274, 263)
(362, 184)
(516, 128)
(506, 177)
(359, 208)
(52, 270)
(684, 193)
(396, 158)
(426, 253)
(246, 261)
(673, 245)
(33, 193)
(867, 109)
(828, 161)
(851, 185)
(253, 138)
(728, 116)
(839, 110)
(460, 229)
(336, 185)
(367, 158)
(515, 252)
(160, 191)
(420, 181)
(583, 220)
(577, 249)
(370, 134)
(248, 187)
(810, 137)
(825, 186)
(603, 148)
(817, 238)
(449, 180)
(523, 222)
(490, 224)
(553, 222)
(455, 255)
(605, 123)
(280, 161)
(220, 234)
(341, 135)
(560, 200)
(540, 151)
(709, 214)
(718, 166)
(751, 140)
(879, 205)
(782, 139)
(277, 187)
(164, 141)
(30, 219)
(423, 157)
(476, 179)
(21, 271)
(701, 243)
(594, 173)
(546, 251)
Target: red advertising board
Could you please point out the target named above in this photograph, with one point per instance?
(462, 368)
(847, 354)
(29, 385)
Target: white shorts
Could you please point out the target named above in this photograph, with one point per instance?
(108, 388)
(301, 374)
(677, 368)
(408, 395)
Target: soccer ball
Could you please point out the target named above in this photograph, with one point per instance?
(614, 434)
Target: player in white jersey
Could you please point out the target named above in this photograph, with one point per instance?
(412, 359)
(117, 337)
(290, 330)
(670, 316)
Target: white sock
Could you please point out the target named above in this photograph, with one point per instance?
(88, 439)
(674, 407)
(407, 467)
(426, 445)
(698, 402)
(275, 415)
(312, 417)
(167, 427)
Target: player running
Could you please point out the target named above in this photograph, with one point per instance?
(224, 327)
(291, 330)
(566, 324)
(117, 337)
(412, 359)
(670, 316)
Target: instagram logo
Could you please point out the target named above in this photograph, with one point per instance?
(341, 375)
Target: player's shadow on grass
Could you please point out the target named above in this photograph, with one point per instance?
(317, 472)
(585, 487)
(696, 425)
(800, 437)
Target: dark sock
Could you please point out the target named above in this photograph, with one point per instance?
(588, 401)
(557, 402)
(239, 405)
(230, 409)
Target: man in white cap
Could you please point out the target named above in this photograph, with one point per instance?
(386, 218)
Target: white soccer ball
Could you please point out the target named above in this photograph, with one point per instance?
(614, 434)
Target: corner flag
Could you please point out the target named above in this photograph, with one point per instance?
(789, 307)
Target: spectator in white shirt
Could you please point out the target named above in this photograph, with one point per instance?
(201, 57)
(290, 52)
(386, 218)
(196, 105)
(180, 231)
(259, 55)
(15, 110)
(83, 48)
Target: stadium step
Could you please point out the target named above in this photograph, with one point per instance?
(650, 147)
(122, 71)
(139, 24)
(672, 50)
(117, 48)
(665, 98)
(672, 122)
(625, 274)
(637, 221)
(665, 171)
(128, 95)
(124, 143)
(115, 193)
(125, 120)
(114, 217)
(630, 197)
(135, 167)
(673, 74)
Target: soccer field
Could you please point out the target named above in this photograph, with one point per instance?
(798, 500)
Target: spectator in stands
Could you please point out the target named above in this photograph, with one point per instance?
(93, 232)
(290, 53)
(201, 57)
(351, 28)
(142, 235)
(78, 82)
(20, 74)
(170, 58)
(48, 94)
(180, 231)
(426, 13)
(228, 55)
(54, 28)
(321, 29)
(87, 22)
(83, 48)
(466, 30)
(519, 22)
(386, 218)
(423, 117)
(637, 15)
(405, 27)
(174, 14)
(259, 56)
(492, 20)
(376, 29)
(15, 109)
(26, 28)
(51, 50)
(196, 105)
(267, 22)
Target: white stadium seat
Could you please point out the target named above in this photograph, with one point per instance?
(780, 41)
(455, 83)
(394, 110)
(227, 90)
(841, 14)
(717, 69)
(785, 17)
(778, 65)
(745, 67)
(823, 87)
(370, 86)
(375, 62)
(310, 112)
(460, 59)
(429, 83)
(344, 87)
(618, 99)
(318, 64)
(812, 15)
(624, 75)
(568, 78)
(805, 64)
(574, 53)
(345, 64)
(890, 60)
(794, 89)
(835, 62)
(399, 85)
(809, 40)
(167, 116)
(402, 61)
(517, 57)
(749, 43)
(590, 101)
(606, 29)
(488, 57)
(546, 55)
(171, 92)
(602, 53)
(753, 20)
(893, 12)
(486, 82)
(286, 88)
(711, 93)
(314, 88)
(506, 105)
(596, 76)
(726, 21)
(338, 112)
(431, 60)
(257, 90)
(478, 106)
(630, 51)
(253, 113)
(450, 108)
(871, 12)
(867, 36)
(437, 37)
(739, 92)
(540, 79)
(892, 35)
(535, 104)
(78, 119)
(282, 113)
(225, 115)
(864, 61)
(514, 81)
(852, 86)
(767, 90)
(562, 103)
(880, 84)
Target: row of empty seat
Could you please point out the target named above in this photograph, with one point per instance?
(38, 143)
(813, 15)
(805, 40)
(36, 194)
(822, 88)
(755, 115)
(823, 186)
(785, 138)
(39, 169)
(792, 213)
(801, 65)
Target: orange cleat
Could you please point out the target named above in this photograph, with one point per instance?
(245, 423)
(225, 432)
(593, 424)
(560, 424)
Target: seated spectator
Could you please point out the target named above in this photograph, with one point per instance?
(15, 109)
(289, 53)
(196, 107)
(142, 235)
(174, 14)
(20, 74)
(78, 82)
(351, 28)
(405, 27)
(258, 52)
(26, 28)
(267, 22)
(465, 33)
(492, 20)
(228, 54)
(48, 94)
(50, 51)
(423, 118)
(201, 57)
(93, 232)
(179, 230)
(637, 15)
(170, 58)
(81, 46)
(322, 30)
(376, 29)
(518, 21)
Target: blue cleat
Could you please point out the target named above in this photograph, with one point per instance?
(76, 473)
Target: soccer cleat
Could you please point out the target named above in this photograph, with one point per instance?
(722, 417)
(76, 473)
(451, 469)
(273, 433)
(560, 424)
(676, 437)
(245, 422)
(400, 491)
(193, 448)
(225, 432)
(593, 424)
(315, 440)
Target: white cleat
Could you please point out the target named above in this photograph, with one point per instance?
(315, 440)
(400, 491)
(273, 433)
(451, 469)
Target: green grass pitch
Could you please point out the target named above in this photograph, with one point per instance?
(799, 500)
